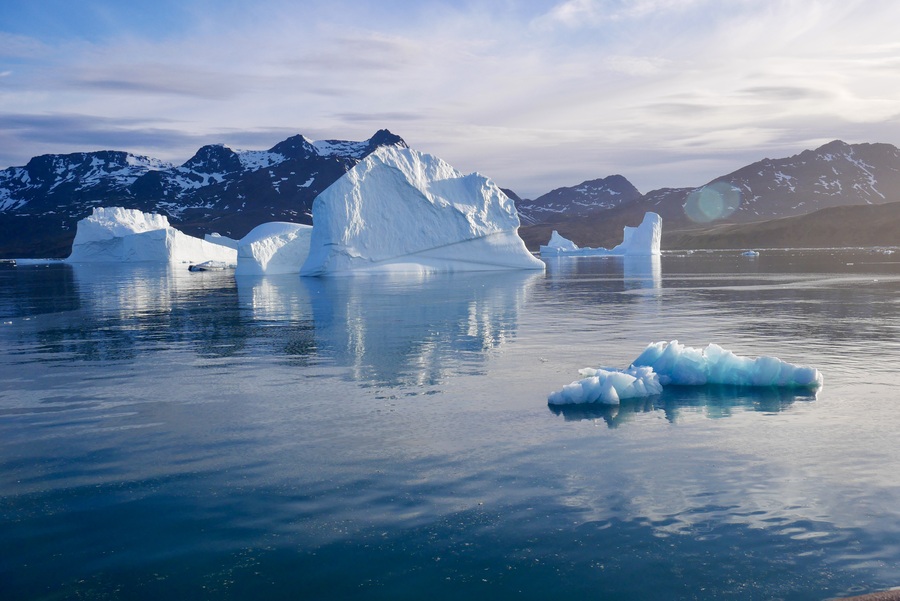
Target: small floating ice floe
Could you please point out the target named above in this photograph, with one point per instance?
(750, 253)
(209, 266)
(670, 363)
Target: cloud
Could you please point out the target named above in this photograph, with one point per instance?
(161, 79)
(590, 13)
(343, 53)
(637, 65)
(14, 46)
(383, 117)
(785, 93)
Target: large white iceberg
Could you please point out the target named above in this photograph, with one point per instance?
(404, 211)
(664, 363)
(273, 248)
(643, 240)
(116, 235)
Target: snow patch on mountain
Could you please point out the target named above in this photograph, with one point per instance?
(327, 148)
(254, 160)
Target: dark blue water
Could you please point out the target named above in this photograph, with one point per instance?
(167, 434)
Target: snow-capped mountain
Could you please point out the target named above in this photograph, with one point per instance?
(835, 174)
(218, 189)
(580, 200)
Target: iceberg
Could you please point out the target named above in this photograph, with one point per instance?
(671, 363)
(643, 240)
(608, 386)
(400, 210)
(679, 364)
(116, 235)
(560, 242)
(273, 248)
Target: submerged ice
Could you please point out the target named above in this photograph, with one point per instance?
(643, 240)
(115, 234)
(671, 363)
(401, 210)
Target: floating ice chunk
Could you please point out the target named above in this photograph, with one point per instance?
(608, 386)
(679, 364)
(665, 363)
(643, 240)
(116, 235)
(273, 248)
(402, 210)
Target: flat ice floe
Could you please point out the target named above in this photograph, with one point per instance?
(400, 210)
(118, 235)
(273, 248)
(643, 240)
(671, 363)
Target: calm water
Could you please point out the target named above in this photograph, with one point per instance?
(167, 434)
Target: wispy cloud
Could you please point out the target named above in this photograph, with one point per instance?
(149, 78)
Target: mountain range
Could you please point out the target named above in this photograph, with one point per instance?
(217, 190)
(836, 174)
(231, 191)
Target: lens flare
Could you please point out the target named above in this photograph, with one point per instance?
(715, 201)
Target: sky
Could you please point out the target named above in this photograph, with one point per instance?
(533, 94)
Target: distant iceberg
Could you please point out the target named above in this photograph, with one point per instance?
(400, 210)
(643, 240)
(273, 248)
(117, 235)
(560, 243)
(671, 363)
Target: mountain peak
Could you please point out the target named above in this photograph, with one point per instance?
(384, 137)
(835, 146)
(213, 158)
(294, 147)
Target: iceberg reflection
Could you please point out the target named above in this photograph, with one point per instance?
(642, 272)
(713, 401)
(628, 273)
(129, 309)
(415, 330)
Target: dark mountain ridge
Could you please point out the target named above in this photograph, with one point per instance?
(218, 189)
